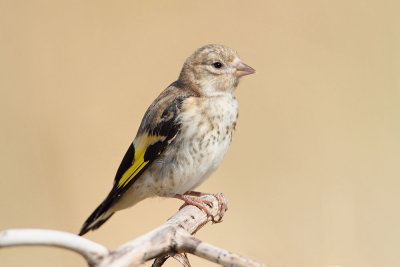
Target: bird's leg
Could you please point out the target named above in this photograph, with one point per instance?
(222, 202)
(194, 198)
(196, 193)
(203, 204)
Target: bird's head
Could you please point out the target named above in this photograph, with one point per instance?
(214, 69)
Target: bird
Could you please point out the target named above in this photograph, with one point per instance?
(183, 136)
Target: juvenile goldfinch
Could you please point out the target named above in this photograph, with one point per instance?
(183, 137)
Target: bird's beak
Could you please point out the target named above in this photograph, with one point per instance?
(243, 69)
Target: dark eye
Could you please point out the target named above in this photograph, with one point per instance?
(217, 65)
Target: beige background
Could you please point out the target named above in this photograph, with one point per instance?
(313, 172)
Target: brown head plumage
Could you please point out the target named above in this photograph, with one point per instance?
(213, 69)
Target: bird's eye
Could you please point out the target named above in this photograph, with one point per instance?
(217, 65)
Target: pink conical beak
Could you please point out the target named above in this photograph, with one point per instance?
(243, 69)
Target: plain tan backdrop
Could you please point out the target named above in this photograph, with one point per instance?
(313, 172)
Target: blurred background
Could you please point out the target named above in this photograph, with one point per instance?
(313, 172)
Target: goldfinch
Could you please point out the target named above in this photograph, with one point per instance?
(183, 137)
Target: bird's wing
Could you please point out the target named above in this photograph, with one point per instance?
(152, 139)
(158, 129)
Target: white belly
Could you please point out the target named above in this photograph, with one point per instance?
(200, 147)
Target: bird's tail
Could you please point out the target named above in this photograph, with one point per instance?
(99, 216)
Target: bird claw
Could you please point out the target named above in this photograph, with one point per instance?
(222, 207)
(196, 199)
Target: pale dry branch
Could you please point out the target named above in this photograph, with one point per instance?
(91, 251)
(172, 237)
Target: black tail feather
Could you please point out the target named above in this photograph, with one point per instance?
(102, 213)
(96, 219)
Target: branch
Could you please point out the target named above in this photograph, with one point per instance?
(91, 251)
(172, 237)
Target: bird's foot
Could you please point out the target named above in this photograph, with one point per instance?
(195, 198)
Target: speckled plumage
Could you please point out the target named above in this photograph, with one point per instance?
(184, 134)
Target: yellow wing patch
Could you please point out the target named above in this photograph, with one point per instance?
(141, 144)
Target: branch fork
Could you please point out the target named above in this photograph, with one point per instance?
(173, 237)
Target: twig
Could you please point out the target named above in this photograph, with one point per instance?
(172, 237)
(91, 251)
